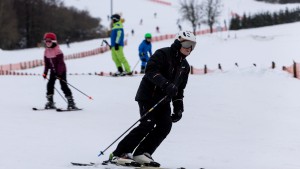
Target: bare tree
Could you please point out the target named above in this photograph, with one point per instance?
(211, 10)
(191, 11)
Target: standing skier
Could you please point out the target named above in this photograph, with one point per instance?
(166, 75)
(54, 60)
(144, 48)
(117, 43)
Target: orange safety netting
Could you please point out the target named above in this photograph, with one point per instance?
(36, 63)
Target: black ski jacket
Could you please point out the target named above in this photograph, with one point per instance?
(166, 65)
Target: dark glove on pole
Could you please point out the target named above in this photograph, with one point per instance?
(45, 75)
(116, 46)
(143, 59)
(171, 90)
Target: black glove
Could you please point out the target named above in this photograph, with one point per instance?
(116, 46)
(45, 75)
(143, 59)
(171, 90)
(177, 110)
(176, 116)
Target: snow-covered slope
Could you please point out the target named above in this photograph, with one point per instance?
(244, 117)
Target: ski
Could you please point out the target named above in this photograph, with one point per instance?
(83, 164)
(110, 165)
(105, 74)
(41, 109)
(133, 165)
(62, 110)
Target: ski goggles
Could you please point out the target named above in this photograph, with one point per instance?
(188, 44)
(49, 41)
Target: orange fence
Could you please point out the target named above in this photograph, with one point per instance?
(199, 71)
(206, 70)
(162, 2)
(294, 69)
(35, 63)
(14, 73)
(163, 37)
(172, 36)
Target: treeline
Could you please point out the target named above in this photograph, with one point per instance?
(264, 19)
(280, 1)
(24, 22)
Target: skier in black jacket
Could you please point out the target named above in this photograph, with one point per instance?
(166, 74)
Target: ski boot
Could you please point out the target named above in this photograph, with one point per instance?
(142, 70)
(120, 72)
(126, 74)
(50, 104)
(125, 159)
(146, 160)
(71, 103)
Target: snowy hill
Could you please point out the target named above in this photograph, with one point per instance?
(244, 117)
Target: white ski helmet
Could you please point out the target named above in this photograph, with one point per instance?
(187, 39)
(186, 35)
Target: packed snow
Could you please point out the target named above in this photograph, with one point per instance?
(242, 117)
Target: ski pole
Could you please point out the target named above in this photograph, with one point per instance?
(74, 88)
(105, 41)
(57, 91)
(135, 66)
(60, 95)
(150, 110)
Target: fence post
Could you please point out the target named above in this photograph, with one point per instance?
(295, 69)
(283, 68)
(205, 69)
(192, 70)
(219, 66)
(273, 65)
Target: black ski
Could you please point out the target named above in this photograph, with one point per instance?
(135, 165)
(83, 164)
(41, 109)
(61, 110)
(115, 166)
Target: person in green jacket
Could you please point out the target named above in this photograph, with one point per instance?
(117, 44)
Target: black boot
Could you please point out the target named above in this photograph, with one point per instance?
(71, 103)
(142, 69)
(119, 72)
(50, 104)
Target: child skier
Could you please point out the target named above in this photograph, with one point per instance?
(144, 48)
(54, 60)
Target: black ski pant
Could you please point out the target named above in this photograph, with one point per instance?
(64, 86)
(149, 134)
